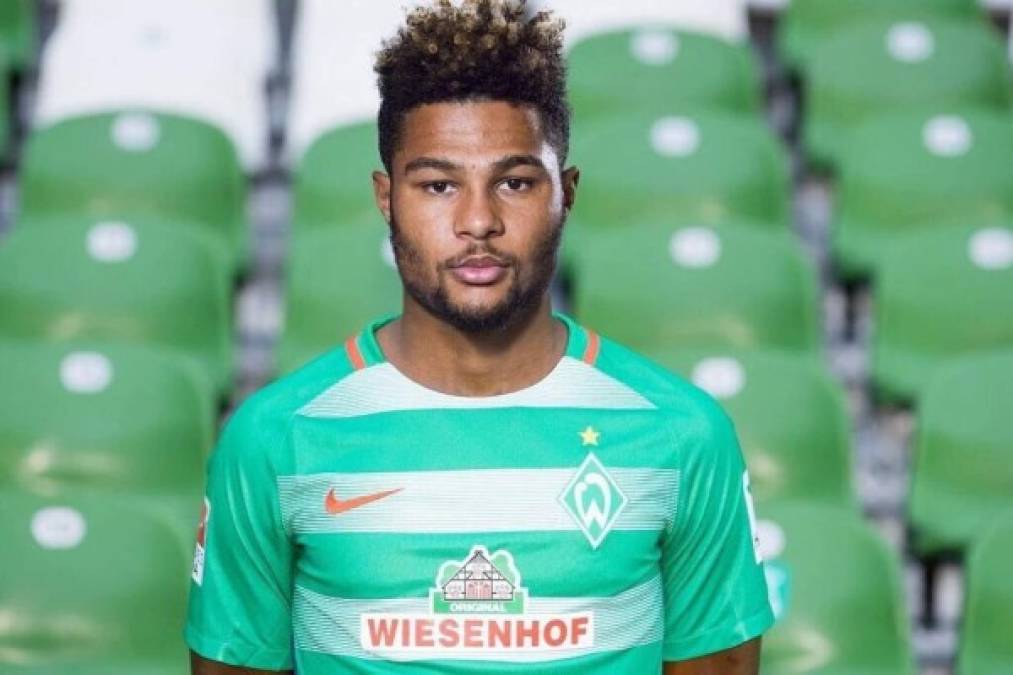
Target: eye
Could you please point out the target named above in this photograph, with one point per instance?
(517, 184)
(438, 187)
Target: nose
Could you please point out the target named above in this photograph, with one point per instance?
(478, 217)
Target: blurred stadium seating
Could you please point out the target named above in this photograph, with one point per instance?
(922, 323)
(915, 171)
(750, 288)
(985, 647)
(157, 56)
(962, 475)
(324, 300)
(74, 610)
(625, 69)
(806, 454)
(836, 590)
(805, 207)
(117, 165)
(895, 64)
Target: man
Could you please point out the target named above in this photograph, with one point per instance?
(478, 485)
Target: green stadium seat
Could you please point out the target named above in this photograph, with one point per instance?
(121, 164)
(89, 585)
(836, 591)
(963, 473)
(105, 419)
(908, 171)
(337, 280)
(18, 33)
(576, 228)
(807, 24)
(332, 182)
(883, 66)
(940, 294)
(118, 282)
(805, 454)
(658, 68)
(702, 167)
(654, 286)
(985, 645)
(223, 257)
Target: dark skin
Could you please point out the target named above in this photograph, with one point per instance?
(481, 175)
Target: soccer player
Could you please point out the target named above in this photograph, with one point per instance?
(479, 484)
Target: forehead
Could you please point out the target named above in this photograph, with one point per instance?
(474, 131)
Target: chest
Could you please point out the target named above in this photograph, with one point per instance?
(473, 505)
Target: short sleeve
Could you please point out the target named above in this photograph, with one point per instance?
(240, 593)
(714, 587)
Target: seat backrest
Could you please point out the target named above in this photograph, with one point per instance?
(116, 164)
(332, 182)
(878, 66)
(805, 24)
(697, 166)
(337, 280)
(658, 67)
(955, 296)
(913, 169)
(836, 592)
(802, 454)
(334, 47)
(86, 578)
(55, 429)
(653, 285)
(985, 647)
(116, 54)
(963, 471)
(118, 282)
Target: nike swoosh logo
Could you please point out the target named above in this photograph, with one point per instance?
(334, 506)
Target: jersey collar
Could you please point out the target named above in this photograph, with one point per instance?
(364, 348)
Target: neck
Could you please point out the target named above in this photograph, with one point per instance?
(438, 356)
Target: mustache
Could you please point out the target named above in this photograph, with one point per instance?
(474, 250)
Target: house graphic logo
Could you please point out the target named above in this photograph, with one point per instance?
(482, 583)
(478, 609)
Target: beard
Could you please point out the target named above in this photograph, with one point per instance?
(528, 284)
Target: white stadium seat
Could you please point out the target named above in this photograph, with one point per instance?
(332, 62)
(204, 58)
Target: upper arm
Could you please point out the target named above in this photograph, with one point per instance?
(240, 597)
(201, 666)
(741, 660)
(715, 595)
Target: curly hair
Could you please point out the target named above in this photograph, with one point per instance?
(478, 50)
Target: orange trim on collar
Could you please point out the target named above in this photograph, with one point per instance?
(354, 355)
(593, 347)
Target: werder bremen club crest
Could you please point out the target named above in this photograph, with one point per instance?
(593, 500)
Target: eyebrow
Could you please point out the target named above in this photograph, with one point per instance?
(504, 164)
(430, 163)
(512, 161)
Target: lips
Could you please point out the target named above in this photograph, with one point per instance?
(479, 270)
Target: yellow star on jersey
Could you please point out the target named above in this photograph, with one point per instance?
(589, 436)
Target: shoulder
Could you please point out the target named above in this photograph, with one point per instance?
(260, 423)
(688, 410)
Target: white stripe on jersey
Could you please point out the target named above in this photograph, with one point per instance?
(382, 388)
(479, 500)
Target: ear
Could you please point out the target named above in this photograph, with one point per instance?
(570, 179)
(381, 193)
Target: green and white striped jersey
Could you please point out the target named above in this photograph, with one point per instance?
(597, 521)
